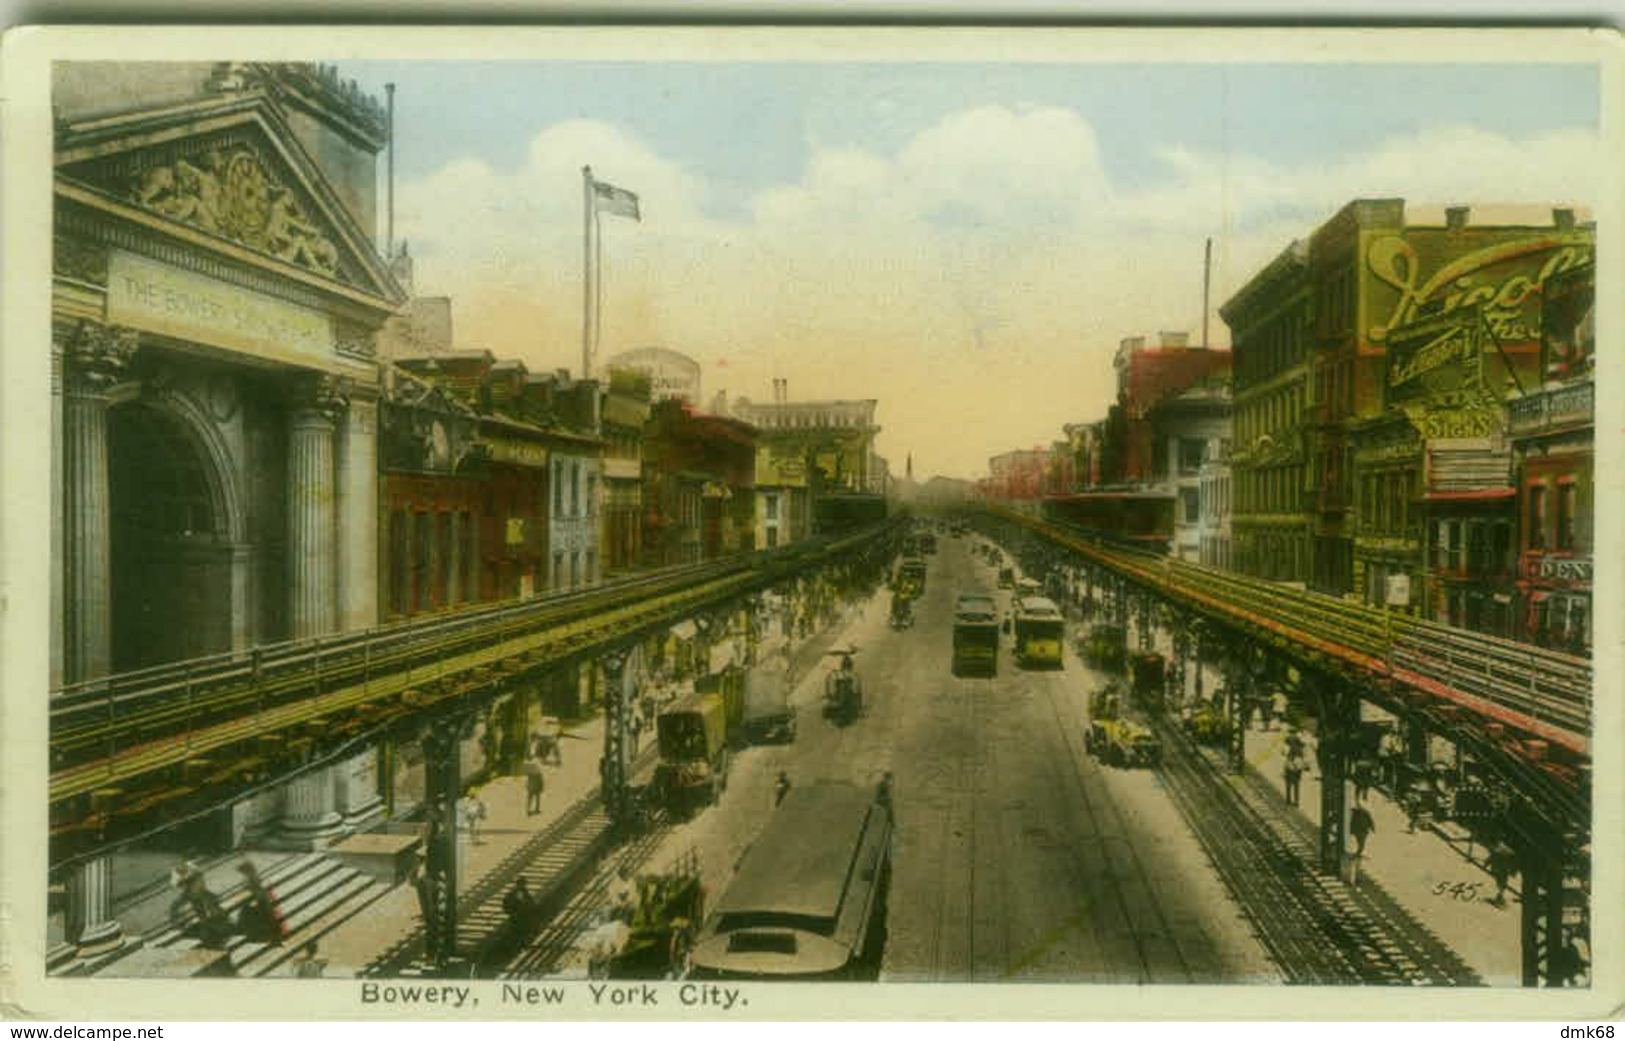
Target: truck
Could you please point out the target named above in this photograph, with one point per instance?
(693, 740)
(769, 714)
(1115, 736)
(976, 635)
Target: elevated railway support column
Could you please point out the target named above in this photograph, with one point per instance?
(1338, 708)
(1179, 629)
(1237, 691)
(1553, 870)
(1145, 622)
(437, 883)
(615, 767)
(91, 927)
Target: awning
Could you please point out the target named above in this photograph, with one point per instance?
(1476, 495)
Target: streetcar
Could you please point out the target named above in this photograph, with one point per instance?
(1040, 631)
(976, 635)
(808, 901)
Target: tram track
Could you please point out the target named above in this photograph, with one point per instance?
(1146, 916)
(550, 861)
(1316, 929)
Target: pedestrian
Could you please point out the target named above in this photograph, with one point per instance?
(427, 907)
(634, 731)
(1266, 712)
(1292, 773)
(308, 963)
(473, 812)
(883, 795)
(210, 920)
(781, 788)
(1294, 742)
(1278, 705)
(1364, 775)
(1502, 860)
(259, 919)
(534, 784)
(1390, 750)
(1361, 826)
(520, 907)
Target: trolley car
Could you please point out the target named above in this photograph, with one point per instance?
(976, 635)
(1039, 630)
(808, 900)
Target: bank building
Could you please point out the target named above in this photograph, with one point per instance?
(216, 296)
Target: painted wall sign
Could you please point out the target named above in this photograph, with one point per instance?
(1503, 278)
(1558, 569)
(522, 453)
(145, 294)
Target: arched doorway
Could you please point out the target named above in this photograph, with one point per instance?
(171, 545)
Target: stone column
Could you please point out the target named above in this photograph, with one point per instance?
(91, 925)
(94, 357)
(454, 569)
(309, 820)
(356, 565)
(311, 508)
(355, 789)
(58, 662)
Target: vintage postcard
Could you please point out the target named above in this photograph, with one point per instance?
(654, 522)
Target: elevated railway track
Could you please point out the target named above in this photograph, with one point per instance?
(1524, 708)
(131, 748)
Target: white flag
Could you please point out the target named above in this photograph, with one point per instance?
(618, 201)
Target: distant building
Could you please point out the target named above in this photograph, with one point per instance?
(807, 450)
(1190, 430)
(1018, 475)
(1374, 361)
(699, 485)
(671, 375)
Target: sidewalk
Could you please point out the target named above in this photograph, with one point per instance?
(1419, 869)
(356, 943)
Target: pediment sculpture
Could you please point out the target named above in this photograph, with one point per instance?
(228, 191)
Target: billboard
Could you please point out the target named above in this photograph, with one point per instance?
(1437, 271)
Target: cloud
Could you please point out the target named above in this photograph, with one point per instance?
(976, 280)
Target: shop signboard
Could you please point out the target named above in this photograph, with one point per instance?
(1500, 272)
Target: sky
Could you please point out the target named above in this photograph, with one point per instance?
(966, 243)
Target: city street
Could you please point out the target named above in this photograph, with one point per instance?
(1017, 857)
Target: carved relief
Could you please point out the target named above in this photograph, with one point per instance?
(74, 258)
(95, 355)
(320, 393)
(229, 192)
(353, 340)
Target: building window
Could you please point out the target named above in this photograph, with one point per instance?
(400, 591)
(575, 489)
(558, 489)
(1566, 497)
(558, 569)
(1188, 497)
(1191, 451)
(575, 568)
(771, 506)
(592, 495)
(1537, 516)
(423, 539)
(592, 566)
(772, 537)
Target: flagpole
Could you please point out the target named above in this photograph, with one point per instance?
(597, 282)
(586, 271)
